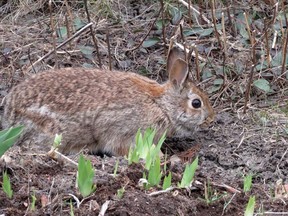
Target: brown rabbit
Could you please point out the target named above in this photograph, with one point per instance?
(102, 110)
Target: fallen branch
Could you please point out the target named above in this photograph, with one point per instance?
(161, 191)
(104, 208)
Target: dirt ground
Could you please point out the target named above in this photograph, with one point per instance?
(235, 145)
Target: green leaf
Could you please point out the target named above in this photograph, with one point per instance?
(192, 31)
(87, 65)
(213, 89)
(241, 25)
(71, 208)
(150, 42)
(57, 140)
(149, 136)
(176, 15)
(261, 66)
(145, 148)
(62, 32)
(33, 201)
(198, 31)
(154, 174)
(155, 152)
(120, 192)
(247, 183)
(87, 51)
(278, 58)
(85, 177)
(148, 161)
(6, 185)
(78, 23)
(167, 181)
(189, 174)
(244, 33)
(249, 211)
(218, 81)
(262, 84)
(206, 32)
(159, 23)
(8, 138)
(133, 156)
(206, 74)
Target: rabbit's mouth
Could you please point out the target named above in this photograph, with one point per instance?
(183, 132)
(208, 122)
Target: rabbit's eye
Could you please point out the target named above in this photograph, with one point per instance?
(196, 103)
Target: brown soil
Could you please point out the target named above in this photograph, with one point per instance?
(235, 145)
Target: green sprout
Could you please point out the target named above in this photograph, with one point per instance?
(247, 183)
(71, 208)
(32, 206)
(188, 174)
(145, 147)
(154, 173)
(120, 192)
(57, 140)
(6, 185)
(167, 181)
(116, 168)
(8, 138)
(85, 177)
(249, 211)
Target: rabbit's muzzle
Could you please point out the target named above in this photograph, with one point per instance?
(208, 121)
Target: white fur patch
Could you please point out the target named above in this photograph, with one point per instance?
(43, 111)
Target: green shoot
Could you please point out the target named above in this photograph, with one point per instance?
(116, 168)
(188, 174)
(57, 140)
(250, 207)
(6, 185)
(207, 192)
(120, 192)
(247, 183)
(154, 173)
(167, 181)
(145, 148)
(210, 195)
(85, 177)
(8, 138)
(71, 208)
(165, 162)
(229, 202)
(33, 201)
(133, 156)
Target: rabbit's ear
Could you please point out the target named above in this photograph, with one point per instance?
(177, 68)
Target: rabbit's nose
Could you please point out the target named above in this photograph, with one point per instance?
(210, 117)
(208, 120)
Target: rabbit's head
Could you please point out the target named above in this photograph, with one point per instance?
(189, 106)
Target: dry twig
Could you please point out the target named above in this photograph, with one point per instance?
(92, 34)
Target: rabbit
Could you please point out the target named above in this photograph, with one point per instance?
(102, 110)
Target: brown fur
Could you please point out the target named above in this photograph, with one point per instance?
(102, 110)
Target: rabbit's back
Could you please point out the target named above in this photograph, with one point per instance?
(70, 90)
(88, 106)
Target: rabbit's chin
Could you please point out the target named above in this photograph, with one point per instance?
(182, 131)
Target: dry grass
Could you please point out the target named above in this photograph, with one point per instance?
(245, 36)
